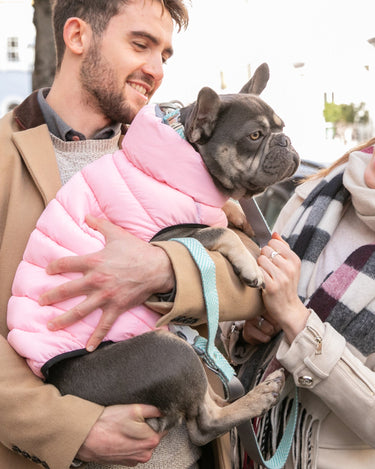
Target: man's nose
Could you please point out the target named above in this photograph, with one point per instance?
(154, 67)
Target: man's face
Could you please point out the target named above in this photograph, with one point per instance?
(123, 69)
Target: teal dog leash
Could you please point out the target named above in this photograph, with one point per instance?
(207, 350)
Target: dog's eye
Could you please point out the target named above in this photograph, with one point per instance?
(256, 135)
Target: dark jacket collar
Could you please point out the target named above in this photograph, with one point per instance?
(28, 114)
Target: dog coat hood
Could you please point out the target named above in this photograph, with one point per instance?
(155, 180)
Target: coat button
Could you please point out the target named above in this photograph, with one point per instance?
(305, 380)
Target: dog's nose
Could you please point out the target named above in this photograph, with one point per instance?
(282, 140)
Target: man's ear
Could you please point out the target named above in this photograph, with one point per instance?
(202, 120)
(76, 34)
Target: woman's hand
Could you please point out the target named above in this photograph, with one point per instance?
(281, 269)
(260, 329)
(124, 274)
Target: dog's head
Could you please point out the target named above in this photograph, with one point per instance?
(240, 138)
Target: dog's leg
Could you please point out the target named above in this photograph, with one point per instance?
(230, 245)
(214, 420)
(156, 368)
(237, 218)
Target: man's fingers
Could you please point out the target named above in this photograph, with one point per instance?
(149, 411)
(108, 229)
(75, 314)
(68, 264)
(69, 289)
(104, 326)
(64, 320)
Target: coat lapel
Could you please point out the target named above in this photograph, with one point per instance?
(40, 159)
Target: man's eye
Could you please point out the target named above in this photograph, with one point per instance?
(140, 45)
(256, 135)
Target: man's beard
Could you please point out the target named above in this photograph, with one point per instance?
(102, 92)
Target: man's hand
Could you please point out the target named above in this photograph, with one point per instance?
(122, 275)
(121, 436)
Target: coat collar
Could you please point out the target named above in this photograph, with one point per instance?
(33, 141)
(35, 147)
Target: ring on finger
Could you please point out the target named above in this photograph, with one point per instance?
(274, 254)
(260, 322)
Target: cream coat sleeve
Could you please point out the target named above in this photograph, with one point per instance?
(320, 361)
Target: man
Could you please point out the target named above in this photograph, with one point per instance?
(110, 57)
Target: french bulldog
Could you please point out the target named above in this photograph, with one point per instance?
(241, 141)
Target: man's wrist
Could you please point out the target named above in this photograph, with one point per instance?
(163, 273)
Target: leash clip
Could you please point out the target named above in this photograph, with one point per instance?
(186, 333)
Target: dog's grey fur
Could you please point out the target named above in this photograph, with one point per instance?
(241, 142)
(160, 369)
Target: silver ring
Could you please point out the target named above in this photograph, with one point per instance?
(273, 255)
(260, 322)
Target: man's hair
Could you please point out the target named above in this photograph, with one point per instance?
(98, 13)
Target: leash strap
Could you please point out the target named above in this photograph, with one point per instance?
(217, 362)
(206, 348)
(250, 443)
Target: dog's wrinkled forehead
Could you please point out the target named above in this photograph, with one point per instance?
(250, 109)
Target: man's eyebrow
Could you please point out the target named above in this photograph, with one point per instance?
(153, 39)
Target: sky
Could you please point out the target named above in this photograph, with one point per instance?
(330, 37)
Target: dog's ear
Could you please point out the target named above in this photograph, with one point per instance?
(258, 81)
(202, 120)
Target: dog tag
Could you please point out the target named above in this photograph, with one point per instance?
(257, 221)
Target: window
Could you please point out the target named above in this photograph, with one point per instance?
(13, 53)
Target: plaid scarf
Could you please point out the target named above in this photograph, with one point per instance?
(345, 299)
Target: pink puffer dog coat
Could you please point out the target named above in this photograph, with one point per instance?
(155, 181)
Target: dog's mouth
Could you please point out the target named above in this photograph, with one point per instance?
(279, 164)
(271, 165)
(241, 174)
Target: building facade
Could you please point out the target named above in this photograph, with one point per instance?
(17, 39)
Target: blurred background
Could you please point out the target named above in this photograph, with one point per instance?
(321, 56)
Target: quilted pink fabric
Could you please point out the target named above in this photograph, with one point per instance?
(156, 180)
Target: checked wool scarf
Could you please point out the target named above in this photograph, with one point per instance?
(345, 299)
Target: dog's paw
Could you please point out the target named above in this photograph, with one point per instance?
(237, 218)
(266, 394)
(250, 274)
